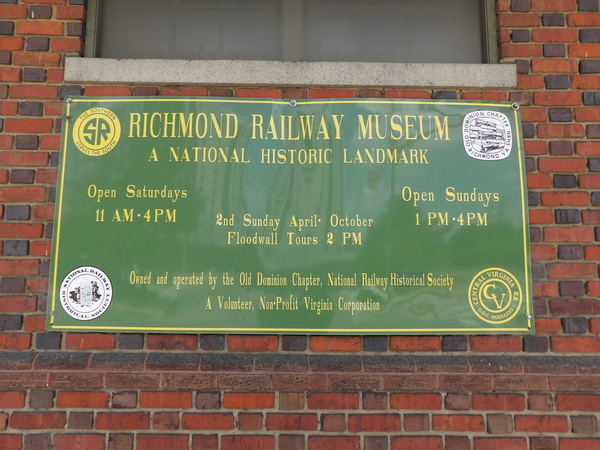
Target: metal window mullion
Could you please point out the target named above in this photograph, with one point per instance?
(92, 30)
(489, 31)
(291, 30)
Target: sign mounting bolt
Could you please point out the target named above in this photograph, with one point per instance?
(528, 316)
(515, 106)
(293, 103)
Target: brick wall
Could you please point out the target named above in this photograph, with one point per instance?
(97, 391)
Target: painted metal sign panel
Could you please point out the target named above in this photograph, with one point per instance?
(365, 216)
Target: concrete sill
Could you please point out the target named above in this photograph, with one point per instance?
(287, 73)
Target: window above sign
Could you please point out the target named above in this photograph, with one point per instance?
(359, 43)
(423, 31)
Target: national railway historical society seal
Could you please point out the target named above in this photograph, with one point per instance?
(85, 293)
(495, 295)
(487, 135)
(96, 131)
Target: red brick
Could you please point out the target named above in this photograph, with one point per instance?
(11, 43)
(554, 5)
(55, 75)
(554, 198)
(67, 399)
(332, 93)
(161, 441)
(572, 271)
(21, 230)
(12, 267)
(558, 98)
(244, 343)
(542, 424)
(22, 194)
(578, 402)
(585, 82)
(293, 422)
(255, 400)
(10, 441)
(20, 158)
(585, 19)
(588, 50)
(593, 288)
(500, 444)
(32, 91)
(248, 443)
(171, 342)
(579, 444)
(545, 289)
(539, 181)
(10, 75)
(520, 50)
(90, 341)
(591, 251)
(13, 12)
(416, 401)
(41, 28)
(179, 400)
(9, 108)
(37, 59)
(70, 12)
(560, 131)
(498, 402)
(38, 420)
(42, 212)
(395, 93)
(387, 423)
(248, 421)
(555, 35)
(595, 326)
(458, 422)
(207, 421)
(37, 285)
(186, 91)
(535, 147)
(335, 343)
(575, 344)
(527, 20)
(495, 344)
(591, 217)
(122, 421)
(589, 181)
(541, 216)
(65, 45)
(34, 322)
(49, 142)
(46, 176)
(107, 91)
(588, 114)
(416, 443)
(415, 344)
(547, 325)
(333, 422)
(12, 399)
(28, 125)
(554, 65)
(569, 234)
(333, 442)
(533, 114)
(15, 341)
(259, 93)
(333, 400)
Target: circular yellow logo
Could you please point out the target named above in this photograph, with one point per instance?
(96, 131)
(495, 295)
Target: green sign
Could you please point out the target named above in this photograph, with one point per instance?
(358, 216)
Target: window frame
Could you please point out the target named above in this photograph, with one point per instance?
(488, 18)
(489, 75)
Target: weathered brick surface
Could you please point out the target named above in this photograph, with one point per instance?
(136, 391)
